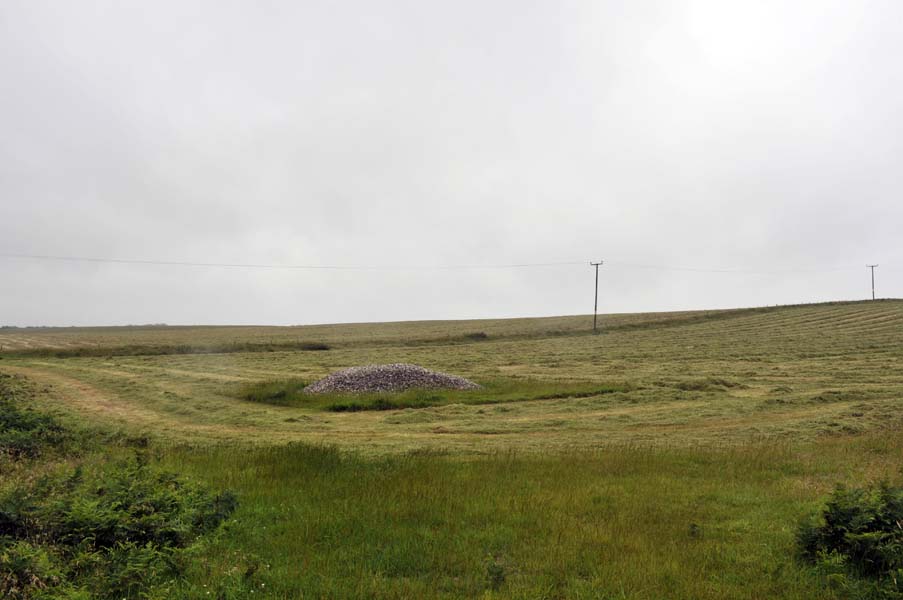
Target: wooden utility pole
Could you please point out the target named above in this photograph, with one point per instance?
(596, 301)
(872, 267)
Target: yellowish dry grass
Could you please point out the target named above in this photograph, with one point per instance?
(711, 378)
(352, 333)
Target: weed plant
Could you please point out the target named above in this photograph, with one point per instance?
(858, 541)
(93, 527)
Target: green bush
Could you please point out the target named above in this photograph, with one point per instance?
(113, 531)
(26, 570)
(858, 542)
(100, 529)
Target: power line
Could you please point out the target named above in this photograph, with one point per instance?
(729, 271)
(450, 267)
(181, 263)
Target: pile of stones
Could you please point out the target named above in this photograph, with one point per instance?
(396, 377)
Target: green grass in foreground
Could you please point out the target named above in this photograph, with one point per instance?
(616, 523)
(290, 392)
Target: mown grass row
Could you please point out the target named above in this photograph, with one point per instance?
(162, 350)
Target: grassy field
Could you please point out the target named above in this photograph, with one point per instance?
(671, 456)
(355, 335)
(718, 378)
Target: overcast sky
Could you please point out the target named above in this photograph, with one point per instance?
(756, 136)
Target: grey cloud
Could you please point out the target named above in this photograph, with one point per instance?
(760, 136)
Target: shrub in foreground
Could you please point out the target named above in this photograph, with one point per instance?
(114, 531)
(100, 529)
(858, 542)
